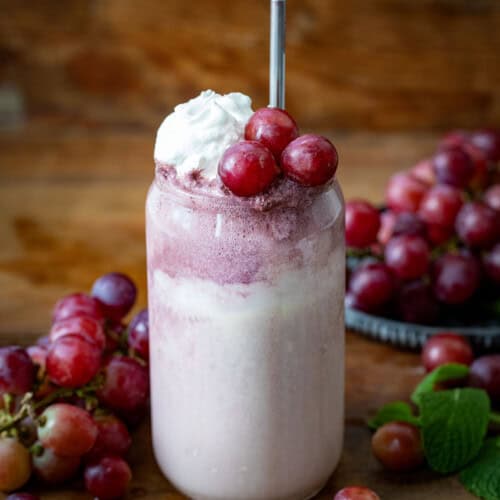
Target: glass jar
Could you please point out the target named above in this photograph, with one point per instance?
(247, 339)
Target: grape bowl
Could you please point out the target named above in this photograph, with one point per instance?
(429, 260)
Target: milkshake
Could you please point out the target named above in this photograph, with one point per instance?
(246, 300)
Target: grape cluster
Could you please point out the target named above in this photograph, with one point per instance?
(67, 403)
(435, 248)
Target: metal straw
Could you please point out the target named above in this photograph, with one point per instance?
(277, 54)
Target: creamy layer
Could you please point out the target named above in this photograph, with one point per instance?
(194, 137)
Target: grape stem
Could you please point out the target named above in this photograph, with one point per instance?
(29, 407)
(495, 417)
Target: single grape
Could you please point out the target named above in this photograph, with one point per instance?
(492, 197)
(371, 286)
(248, 168)
(410, 224)
(362, 223)
(387, 223)
(488, 141)
(22, 496)
(440, 206)
(272, 127)
(416, 303)
(72, 361)
(138, 334)
(444, 348)
(17, 371)
(116, 292)
(480, 162)
(108, 477)
(52, 468)
(310, 160)
(68, 430)
(491, 264)
(15, 464)
(126, 384)
(455, 278)
(86, 327)
(77, 304)
(477, 225)
(356, 493)
(398, 447)
(453, 166)
(424, 172)
(485, 374)
(404, 192)
(113, 438)
(407, 256)
(27, 431)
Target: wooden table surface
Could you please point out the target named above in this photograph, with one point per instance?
(71, 208)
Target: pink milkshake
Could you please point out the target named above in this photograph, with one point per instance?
(246, 318)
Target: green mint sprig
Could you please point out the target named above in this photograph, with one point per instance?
(482, 476)
(453, 425)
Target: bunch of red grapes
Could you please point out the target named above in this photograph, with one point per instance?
(436, 245)
(67, 403)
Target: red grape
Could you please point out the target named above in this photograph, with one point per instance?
(43, 341)
(68, 430)
(17, 371)
(437, 235)
(485, 374)
(491, 264)
(86, 327)
(477, 225)
(455, 138)
(492, 197)
(116, 292)
(108, 477)
(480, 162)
(488, 141)
(424, 171)
(371, 286)
(440, 206)
(113, 437)
(310, 160)
(114, 334)
(444, 348)
(362, 222)
(126, 384)
(398, 447)
(455, 278)
(404, 192)
(77, 304)
(54, 469)
(15, 464)
(272, 127)
(408, 223)
(138, 335)
(72, 361)
(356, 493)
(248, 168)
(416, 303)
(407, 256)
(453, 166)
(387, 223)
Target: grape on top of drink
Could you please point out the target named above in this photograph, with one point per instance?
(246, 267)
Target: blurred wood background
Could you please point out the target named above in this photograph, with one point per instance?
(369, 64)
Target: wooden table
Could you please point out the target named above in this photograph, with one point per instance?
(71, 208)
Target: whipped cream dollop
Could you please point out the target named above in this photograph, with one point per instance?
(194, 137)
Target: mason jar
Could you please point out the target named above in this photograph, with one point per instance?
(247, 338)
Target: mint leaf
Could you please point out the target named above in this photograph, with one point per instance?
(397, 411)
(444, 373)
(482, 476)
(454, 424)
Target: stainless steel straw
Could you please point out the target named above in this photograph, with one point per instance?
(277, 54)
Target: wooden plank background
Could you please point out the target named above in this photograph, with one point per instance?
(369, 64)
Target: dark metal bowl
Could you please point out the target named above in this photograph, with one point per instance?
(412, 335)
